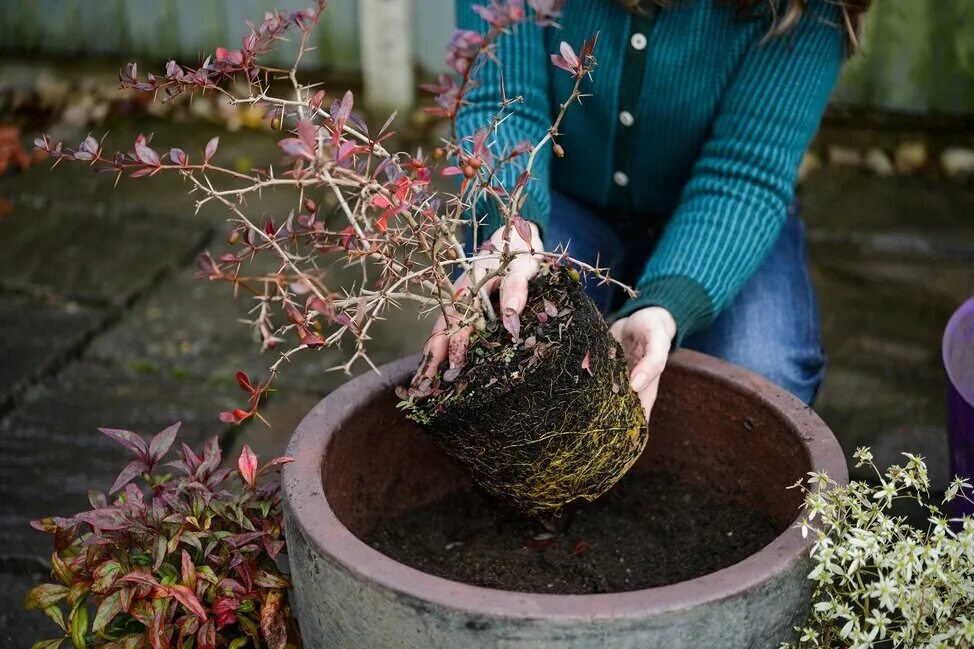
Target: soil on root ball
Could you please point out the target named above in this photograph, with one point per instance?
(543, 417)
(651, 530)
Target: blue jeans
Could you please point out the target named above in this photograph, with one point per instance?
(772, 325)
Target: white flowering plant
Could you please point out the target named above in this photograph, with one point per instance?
(881, 582)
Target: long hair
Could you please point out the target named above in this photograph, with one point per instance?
(785, 14)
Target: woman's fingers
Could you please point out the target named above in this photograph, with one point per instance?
(514, 291)
(434, 352)
(647, 397)
(459, 342)
(648, 368)
(646, 345)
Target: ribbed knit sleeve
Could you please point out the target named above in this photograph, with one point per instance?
(732, 208)
(524, 69)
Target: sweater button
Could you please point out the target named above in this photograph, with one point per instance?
(638, 41)
(626, 118)
(620, 179)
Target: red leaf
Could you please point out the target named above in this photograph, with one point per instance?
(248, 465)
(140, 577)
(244, 382)
(451, 171)
(211, 148)
(206, 636)
(187, 598)
(586, 362)
(580, 548)
(379, 200)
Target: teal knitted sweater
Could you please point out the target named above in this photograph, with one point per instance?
(696, 125)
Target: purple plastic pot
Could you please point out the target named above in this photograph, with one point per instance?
(958, 351)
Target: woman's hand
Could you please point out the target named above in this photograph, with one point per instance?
(443, 342)
(646, 337)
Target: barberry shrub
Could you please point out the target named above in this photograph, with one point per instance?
(879, 581)
(355, 203)
(179, 553)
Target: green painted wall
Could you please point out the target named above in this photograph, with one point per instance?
(919, 54)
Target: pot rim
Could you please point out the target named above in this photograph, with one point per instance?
(311, 513)
(951, 331)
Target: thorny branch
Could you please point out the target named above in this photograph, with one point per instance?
(356, 203)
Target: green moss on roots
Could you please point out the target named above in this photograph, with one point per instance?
(545, 421)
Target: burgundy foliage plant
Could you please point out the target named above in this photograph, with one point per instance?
(176, 554)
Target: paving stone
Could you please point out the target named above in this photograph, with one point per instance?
(37, 334)
(884, 386)
(283, 412)
(844, 200)
(20, 628)
(187, 328)
(104, 259)
(51, 453)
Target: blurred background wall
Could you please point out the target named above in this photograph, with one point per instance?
(920, 53)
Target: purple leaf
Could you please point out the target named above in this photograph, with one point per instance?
(90, 145)
(569, 55)
(146, 155)
(307, 135)
(178, 156)
(162, 442)
(129, 440)
(523, 229)
(211, 148)
(295, 148)
(107, 518)
(131, 470)
(344, 109)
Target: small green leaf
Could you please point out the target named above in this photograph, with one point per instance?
(45, 595)
(238, 642)
(79, 625)
(57, 615)
(47, 644)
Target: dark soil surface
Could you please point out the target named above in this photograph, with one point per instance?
(651, 530)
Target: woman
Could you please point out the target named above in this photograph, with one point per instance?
(679, 172)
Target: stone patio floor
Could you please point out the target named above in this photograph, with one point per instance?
(104, 324)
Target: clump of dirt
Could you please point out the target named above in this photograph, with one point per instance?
(546, 418)
(651, 530)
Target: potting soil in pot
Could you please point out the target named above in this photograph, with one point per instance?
(651, 530)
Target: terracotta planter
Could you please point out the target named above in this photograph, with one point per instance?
(358, 460)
